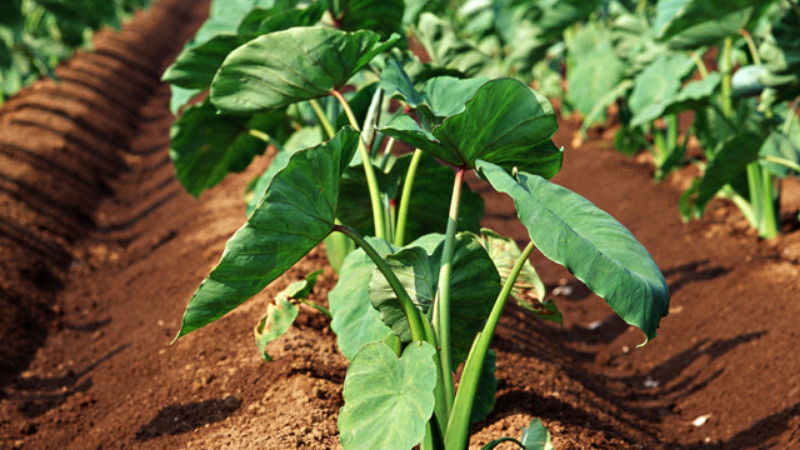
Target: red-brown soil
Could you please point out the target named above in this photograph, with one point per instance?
(100, 248)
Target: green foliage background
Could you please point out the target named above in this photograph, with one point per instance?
(35, 35)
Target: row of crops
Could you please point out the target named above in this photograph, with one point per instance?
(35, 35)
(734, 64)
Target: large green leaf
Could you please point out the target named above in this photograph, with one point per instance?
(657, 87)
(281, 17)
(474, 286)
(289, 66)
(387, 401)
(195, 66)
(197, 63)
(688, 24)
(504, 122)
(206, 146)
(299, 140)
(381, 16)
(296, 213)
(591, 244)
(593, 68)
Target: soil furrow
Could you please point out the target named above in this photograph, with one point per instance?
(61, 143)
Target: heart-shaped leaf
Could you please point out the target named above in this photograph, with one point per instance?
(195, 66)
(591, 244)
(387, 400)
(474, 287)
(303, 138)
(280, 17)
(206, 146)
(295, 214)
(289, 66)
(504, 122)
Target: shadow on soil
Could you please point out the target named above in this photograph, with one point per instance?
(37, 395)
(630, 395)
(692, 272)
(177, 419)
(757, 435)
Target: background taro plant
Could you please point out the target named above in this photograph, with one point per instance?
(423, 292)
(655, 58)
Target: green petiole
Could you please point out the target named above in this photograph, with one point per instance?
(405, 199)
(458, 426)
(369, 171)
(319, 308)
(441, 305)
(323, 119)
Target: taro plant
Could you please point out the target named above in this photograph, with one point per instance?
(423, 292)
(744, 105)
